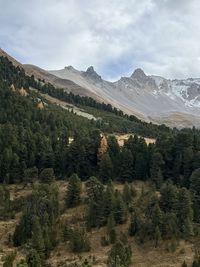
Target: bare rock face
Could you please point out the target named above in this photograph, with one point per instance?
(91, 74)
(139, 75)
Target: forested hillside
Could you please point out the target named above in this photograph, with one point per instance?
(100, 181)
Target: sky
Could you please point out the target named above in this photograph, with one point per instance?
(115, 36)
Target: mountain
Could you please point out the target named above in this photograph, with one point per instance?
(41, 74)
(151, 98)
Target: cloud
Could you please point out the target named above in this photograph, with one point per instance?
(160, 36)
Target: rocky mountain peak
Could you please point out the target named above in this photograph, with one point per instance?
(91, 73)
(139, 75)
(69, 68)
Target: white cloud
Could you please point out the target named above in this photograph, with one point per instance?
(160, 36)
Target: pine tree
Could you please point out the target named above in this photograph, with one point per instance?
(134, 225)
(108, 200)
(157, 236)
(126, 165)
(155, 170)
(185, 212)
(47, 175)
(127, 194)
(33, 259)
(120, 255)
(111, 229)
(73, 191)
(79, 241)
(195, 188)
(37, 235)
(96, 209)
(120, 210)
(105, 168)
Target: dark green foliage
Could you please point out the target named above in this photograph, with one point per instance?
(22, 263)
(196, 263)
(120, 210)
(111, 229)
(156, 169)
(157, 236)
(79, 241)
(30, 175)
(195, 188)
(47, 175)
(103, 202)
(95, 216)
(33, 259)
(105, 168)
(127, 193)
(73, 197)
(120, 255)
(5, 203)
(38, 221)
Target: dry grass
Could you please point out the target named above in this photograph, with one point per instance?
(143, 255)
(121, 138)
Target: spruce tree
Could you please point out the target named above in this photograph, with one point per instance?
(157, 236)
(155, 169)
(47, 175)
(105, 168)
(73, 197)
(111, 229)
(120, 210)
(37, 235)
(33, 259)
(127, 194)
(120, 255)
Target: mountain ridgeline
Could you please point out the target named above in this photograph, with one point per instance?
(99, 176)
(150, 98)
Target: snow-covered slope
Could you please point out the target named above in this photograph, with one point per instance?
(151, 98)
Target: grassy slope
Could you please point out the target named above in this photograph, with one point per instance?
(143, 255)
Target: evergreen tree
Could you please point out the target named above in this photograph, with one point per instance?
(33, 259)
(120, 255)
(108, 200)
(155, 170)
(120, 210)
(79, 242)
(157, 236)
(127, 194)
(195, 188)
(37, 235)
(73, 197)
(105, 168)
(126, 165)
(96, 210)
(111, 229)
(47, 175)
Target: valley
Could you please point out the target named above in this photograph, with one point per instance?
(93, 187)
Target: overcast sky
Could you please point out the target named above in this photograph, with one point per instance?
(115, 36)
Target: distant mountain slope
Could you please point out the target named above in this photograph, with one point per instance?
(58, 82)
(39, 73)
(151, 98)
